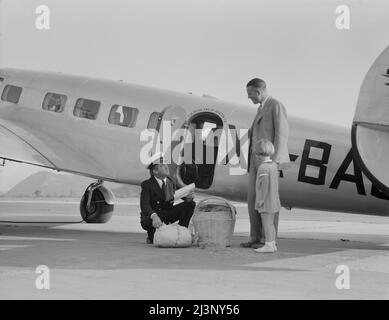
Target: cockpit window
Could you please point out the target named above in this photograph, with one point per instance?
(86, 108)
(11, 94)
(54, 102)
(123, 116)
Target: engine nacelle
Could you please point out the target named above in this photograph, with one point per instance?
(97, 204)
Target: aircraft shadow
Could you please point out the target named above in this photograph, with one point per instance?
(30, 246)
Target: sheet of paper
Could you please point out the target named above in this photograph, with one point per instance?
(184, 191)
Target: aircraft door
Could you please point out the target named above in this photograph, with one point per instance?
(168, 125)
(202, 147)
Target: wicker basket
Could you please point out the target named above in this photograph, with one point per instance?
(214, 221)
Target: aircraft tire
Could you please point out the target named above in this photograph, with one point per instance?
(100, 211)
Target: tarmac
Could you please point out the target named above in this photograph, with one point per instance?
(320, 255)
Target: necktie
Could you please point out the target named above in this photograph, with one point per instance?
(259, 110)
(256, 118)
(164, 190)
(253, 125)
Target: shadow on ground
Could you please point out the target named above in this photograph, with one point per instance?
(74, 249)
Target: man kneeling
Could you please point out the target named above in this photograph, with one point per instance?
(157, 201)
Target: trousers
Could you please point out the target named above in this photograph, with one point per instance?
(256, 232)
(182, 212)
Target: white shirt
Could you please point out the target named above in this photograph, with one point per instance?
(262, 103)
(160, 181)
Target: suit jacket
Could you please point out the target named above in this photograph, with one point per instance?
(271, 124)
(151, 197)
(266, 188)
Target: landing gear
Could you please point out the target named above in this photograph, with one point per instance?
(97, 203)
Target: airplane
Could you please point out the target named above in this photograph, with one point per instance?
(93, 127)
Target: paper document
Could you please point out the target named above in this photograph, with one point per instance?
(184, 191)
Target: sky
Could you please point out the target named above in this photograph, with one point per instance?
(204, 46)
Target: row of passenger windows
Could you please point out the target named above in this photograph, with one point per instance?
(84, 108)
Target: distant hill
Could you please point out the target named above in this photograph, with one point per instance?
(48, 184)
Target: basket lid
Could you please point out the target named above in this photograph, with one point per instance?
(215, 204)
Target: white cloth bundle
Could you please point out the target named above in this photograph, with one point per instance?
(172, 236)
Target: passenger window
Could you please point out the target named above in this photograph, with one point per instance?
(153, 120)
(87, 109)
(11, 94)
(54, 102)
(123, 116)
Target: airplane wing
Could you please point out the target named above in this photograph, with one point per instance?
(14, 147)
(28, 142)
(370, 130)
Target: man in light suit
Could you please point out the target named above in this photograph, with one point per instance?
(270, 123)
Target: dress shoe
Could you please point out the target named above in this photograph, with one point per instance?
(150, 237)
(258, 245)
(249, 244)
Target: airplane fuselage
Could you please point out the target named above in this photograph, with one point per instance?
(322, 174)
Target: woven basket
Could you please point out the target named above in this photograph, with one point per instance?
(214, 221)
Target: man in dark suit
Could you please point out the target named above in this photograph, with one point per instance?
(157, 200)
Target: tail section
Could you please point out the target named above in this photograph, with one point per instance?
(370, 129)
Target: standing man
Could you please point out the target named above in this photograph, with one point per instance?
(157, 200)
(270, 123)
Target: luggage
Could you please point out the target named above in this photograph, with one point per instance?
(172, 236)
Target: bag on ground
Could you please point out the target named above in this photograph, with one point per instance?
(172, 236)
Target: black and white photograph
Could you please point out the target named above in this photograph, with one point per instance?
(194, 150)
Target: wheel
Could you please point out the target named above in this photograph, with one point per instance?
(99, 211)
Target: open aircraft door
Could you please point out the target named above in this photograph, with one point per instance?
(370, 129)
(168, 123)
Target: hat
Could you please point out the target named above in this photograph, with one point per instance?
(157, 158)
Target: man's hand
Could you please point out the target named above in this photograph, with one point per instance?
(157, 222)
